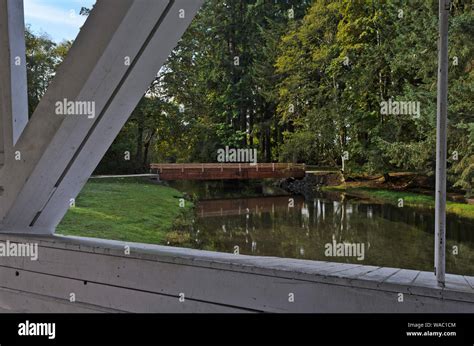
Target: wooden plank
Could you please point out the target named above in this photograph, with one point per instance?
(103, 295)
(425, 279)
(404, 276)
(458, 283)
(198, 283)
(470, 280)
(426, 283)
(380, 274)
(356, 271)
(334, 267)
(15, 301)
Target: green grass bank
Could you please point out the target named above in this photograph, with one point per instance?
(127, 209)
(409, 199)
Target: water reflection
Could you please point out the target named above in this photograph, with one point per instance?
(269, 226)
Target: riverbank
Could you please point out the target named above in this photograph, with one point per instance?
(127, 209)
(414, 189)
(411, 199)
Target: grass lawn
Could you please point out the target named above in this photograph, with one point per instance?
(409, 199)
(128, 209)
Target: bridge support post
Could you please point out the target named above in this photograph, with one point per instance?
(13, 83)
(441, 146)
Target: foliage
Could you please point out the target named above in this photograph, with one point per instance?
(301, 81)
(43, 56)
(347, 57)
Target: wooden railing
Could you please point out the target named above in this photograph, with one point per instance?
(215, 171)
(256, 166)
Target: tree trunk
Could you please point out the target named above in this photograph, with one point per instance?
(146, 151)
(139, 152)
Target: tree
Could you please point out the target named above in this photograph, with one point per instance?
(222, 71)
(43, 56)
(346, 58)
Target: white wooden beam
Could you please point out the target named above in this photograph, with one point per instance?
(13, 83)
(113, 61)
(441, 144)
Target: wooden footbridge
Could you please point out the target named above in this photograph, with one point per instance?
(218, 171)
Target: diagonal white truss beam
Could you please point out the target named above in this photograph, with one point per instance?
(116, 56)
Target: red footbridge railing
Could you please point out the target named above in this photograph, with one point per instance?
(220, 171)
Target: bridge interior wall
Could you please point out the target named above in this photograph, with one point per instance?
(89, 275)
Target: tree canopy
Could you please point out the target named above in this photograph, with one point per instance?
(301, 81)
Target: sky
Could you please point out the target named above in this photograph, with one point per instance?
(60, 19)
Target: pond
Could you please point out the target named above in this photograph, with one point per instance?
(254, 219)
